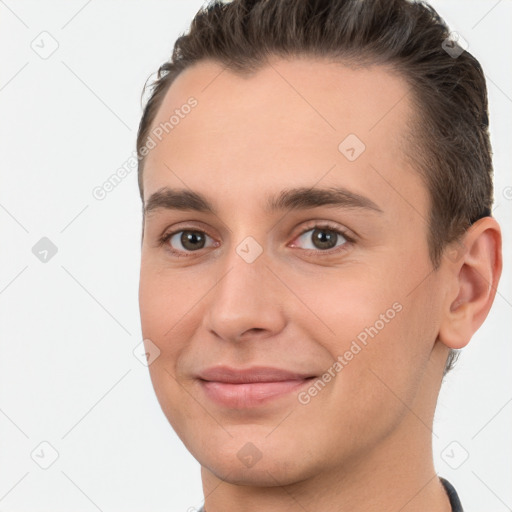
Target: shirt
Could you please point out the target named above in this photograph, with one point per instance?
(452, 495)
(450, 490)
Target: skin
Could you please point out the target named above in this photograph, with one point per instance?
(363, 443)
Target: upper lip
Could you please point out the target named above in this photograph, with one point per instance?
(247, 375)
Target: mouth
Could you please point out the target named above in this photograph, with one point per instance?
(242, 389)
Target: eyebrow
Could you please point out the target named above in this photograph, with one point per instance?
(301, 198)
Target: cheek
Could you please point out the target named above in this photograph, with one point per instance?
(165, 297)
(162, 306)
(369, 321)
(152, 305)
(345, 304)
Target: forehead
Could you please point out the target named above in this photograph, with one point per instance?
(292, 121)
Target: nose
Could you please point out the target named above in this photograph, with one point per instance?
(247, 301)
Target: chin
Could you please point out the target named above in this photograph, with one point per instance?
(257, 459)
(264, 473)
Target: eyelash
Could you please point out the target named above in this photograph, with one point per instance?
(314, 252)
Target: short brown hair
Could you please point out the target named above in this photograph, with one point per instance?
(449, 139)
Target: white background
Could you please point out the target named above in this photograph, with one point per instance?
(68, 327)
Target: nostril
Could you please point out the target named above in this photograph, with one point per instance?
(254, 330)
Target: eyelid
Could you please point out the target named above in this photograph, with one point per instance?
(325, 224)
(186, 226)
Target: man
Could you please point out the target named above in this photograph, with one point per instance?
(317, 244)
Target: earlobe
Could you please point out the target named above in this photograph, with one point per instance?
(475, 275)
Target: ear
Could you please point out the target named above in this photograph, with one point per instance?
(474, 269)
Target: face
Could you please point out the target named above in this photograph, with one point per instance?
(337, 288)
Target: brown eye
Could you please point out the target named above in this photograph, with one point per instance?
(322, 238)
(187, 240)
(192, 240)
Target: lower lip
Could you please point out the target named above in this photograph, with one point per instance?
(239, 396)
